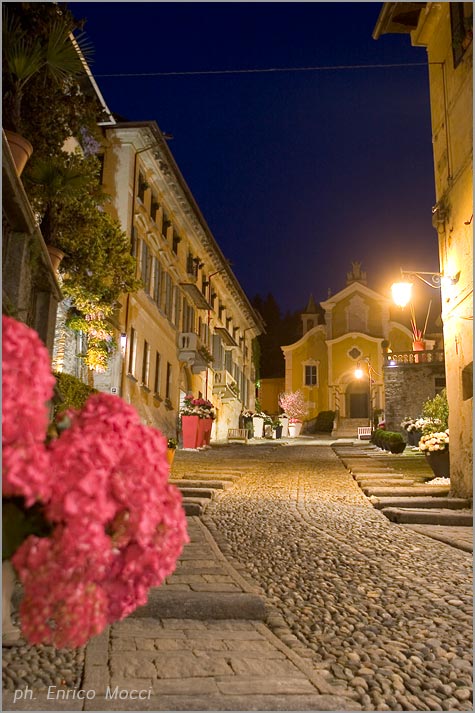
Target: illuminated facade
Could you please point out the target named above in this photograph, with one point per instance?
(190, 329)
(358, 327)
(446, 30)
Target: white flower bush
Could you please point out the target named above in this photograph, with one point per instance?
(433, 442)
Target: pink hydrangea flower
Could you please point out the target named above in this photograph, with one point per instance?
(27, 385)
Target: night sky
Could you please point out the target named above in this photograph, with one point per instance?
(296, 173)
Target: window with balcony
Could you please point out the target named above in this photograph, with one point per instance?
(141, 187)
(154, 208)
(176, 242)
(146, 267)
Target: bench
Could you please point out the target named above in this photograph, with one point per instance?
(238, 434)
(364, 432)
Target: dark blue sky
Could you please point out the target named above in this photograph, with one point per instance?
(297, 174)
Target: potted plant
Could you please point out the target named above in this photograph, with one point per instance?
(247, 421)
(46, 54)
(276, 428)
(258, 421)
(293, 404)
(206, 414)
(189, 422)
(171, 450)
(435, 447)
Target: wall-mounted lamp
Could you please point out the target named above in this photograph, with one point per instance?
(402, 291)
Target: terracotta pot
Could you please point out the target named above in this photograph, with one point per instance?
(170, 455)
(439, 461)
(418, 346)
(55, 255)
(189, 428)
(21, 150)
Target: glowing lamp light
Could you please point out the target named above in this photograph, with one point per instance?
(359, 372)
(401, 292)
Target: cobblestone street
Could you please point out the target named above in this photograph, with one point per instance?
(293, 594)
(384, 610)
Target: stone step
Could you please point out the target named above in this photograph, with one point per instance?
(187, 483)
(435, 516)
(386, 475)
(386, 482)
(201, 493)
(211, 476)
(422, 502)
(195, 506)
(163, 604)
(396, 490)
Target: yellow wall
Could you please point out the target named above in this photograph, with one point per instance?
(269, 391)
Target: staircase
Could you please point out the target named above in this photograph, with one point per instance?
(348, 427)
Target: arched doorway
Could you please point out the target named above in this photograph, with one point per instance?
(357, 399)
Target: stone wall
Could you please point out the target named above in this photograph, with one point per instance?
(406, 388)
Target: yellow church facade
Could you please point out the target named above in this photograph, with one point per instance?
(339, 365)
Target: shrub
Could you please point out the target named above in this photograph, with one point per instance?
(324, 421)
(394, 442)
(377, 437)
(437, 410)
(73, 393)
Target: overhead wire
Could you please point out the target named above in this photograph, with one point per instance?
(264, 70)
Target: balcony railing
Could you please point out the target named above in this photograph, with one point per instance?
(225, 385)
(428, 356)
(190, 350)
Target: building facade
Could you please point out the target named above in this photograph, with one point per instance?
(30, 288)
(189, 330)
(339, 365)
(446, 30)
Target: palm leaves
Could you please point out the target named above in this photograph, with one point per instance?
(59, 56)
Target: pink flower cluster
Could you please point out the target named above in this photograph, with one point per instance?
(27, 384)
(118, 524)
(197, 407)
(293, 404)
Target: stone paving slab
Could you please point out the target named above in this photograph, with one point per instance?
(434, 516)
(393, 490)
(460, 537)
(421, 502)
(184, 664)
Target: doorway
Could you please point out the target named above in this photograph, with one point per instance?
(357, 400)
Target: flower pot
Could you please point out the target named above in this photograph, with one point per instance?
(418, 346)
(397, 447)
(277, 432)
(204, 431)
(170, 455)
(294, 429)
(258, 425)
(413, 438)
(189, 429)
(20, 148)
(285, 426)
(439, 461)
(55, 255)
(248, 423)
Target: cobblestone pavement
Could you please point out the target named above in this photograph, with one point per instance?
(370, 609)
(384, 609)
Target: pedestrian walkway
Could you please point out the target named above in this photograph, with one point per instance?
(200, 643)
(294, 593)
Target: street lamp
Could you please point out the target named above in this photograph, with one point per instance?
(402, 291)
(359, 373)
